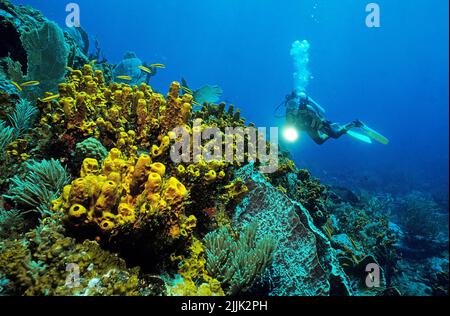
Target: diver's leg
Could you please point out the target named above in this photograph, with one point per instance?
(335, 130)
(317, 138)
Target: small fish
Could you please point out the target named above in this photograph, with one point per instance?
(145, 69)
(196, 103)
(353, 243)
(70, 69)
(187, 90)
(30, 83)
(158, 65)
(93, 62)
(124, 78)
(15, 84)
(50, 98)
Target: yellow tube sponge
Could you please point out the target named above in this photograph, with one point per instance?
(77, 211)
(154, 182)
(211, 176)
(159, 168)
(108, 197)
(141, 172)
(174, 190)
(107, 225)
(79, 191)
(89, 167)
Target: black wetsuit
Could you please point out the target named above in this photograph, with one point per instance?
(308, 116)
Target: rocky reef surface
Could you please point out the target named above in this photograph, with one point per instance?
(92, 204)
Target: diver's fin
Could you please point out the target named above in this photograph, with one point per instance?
(360, 137)
(375, 135)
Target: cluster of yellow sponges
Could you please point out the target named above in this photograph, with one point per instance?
(124, 193)
(118, 114)
(202, 171)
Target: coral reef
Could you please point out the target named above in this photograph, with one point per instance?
(92, 202)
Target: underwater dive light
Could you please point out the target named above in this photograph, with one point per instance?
(290, 134)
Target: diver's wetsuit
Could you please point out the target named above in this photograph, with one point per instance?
(307, 115)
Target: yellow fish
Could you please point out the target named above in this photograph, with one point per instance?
(145, 69)
(50, 98)
(15, 84)
(70, 69)
(158, 65)
(124, 78)
(30, 83)
(187, 90)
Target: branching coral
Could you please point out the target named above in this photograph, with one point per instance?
(237, 261)
(22, 118)
(42, 183)
(11, 143)
(6, 137)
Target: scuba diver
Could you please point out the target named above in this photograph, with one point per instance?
(303, 113)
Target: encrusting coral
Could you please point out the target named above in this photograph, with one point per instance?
(42, 263)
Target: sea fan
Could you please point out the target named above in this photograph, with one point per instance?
(41, 185)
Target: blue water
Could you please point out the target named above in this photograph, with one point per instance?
(394, 78)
